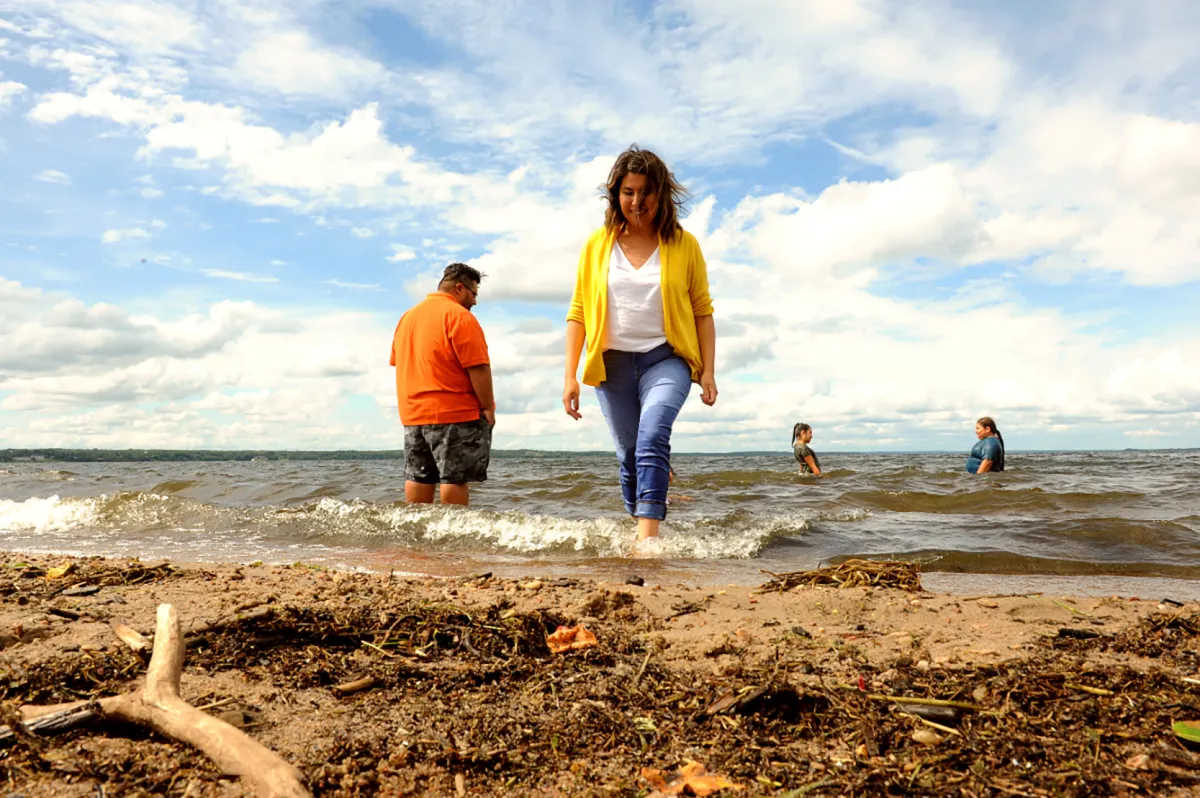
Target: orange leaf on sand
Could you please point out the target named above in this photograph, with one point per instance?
(570, 638)
(691, 779)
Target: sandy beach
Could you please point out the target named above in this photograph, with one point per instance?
(780, 692)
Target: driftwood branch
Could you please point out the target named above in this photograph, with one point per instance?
(158, 705)
(52, 720)
(356, 686)
(204, 628)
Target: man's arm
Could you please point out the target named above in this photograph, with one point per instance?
(481, 382)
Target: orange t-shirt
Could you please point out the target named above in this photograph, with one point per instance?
(435, 343)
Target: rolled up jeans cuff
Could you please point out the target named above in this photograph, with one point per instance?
(651, 509)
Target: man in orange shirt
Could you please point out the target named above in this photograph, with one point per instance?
(444, 389)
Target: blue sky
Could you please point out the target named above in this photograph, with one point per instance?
(914, 214)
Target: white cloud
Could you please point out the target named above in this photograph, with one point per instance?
(401, 253)
(1079, 186)
(10, 89)
(336, 283)
(291, 62)
(708, 79)
(363, 232)
(53, 176)
(102, 100)
(151, 193)
(851, 226)
(963, 141)
(1150, 432)
(277, 262)
(144, 27)
(243, 277)
(126, 234)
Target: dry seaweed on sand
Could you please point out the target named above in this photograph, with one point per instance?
(851, 573)
(24, 581)
(471, 696)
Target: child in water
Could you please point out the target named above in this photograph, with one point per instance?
(806, 457)
(988, 454)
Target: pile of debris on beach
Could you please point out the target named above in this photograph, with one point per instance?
(387, 692)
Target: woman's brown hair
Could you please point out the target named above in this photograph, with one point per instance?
(671, 195)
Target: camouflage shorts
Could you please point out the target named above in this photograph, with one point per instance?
(450, 454)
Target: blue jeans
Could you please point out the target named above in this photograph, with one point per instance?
(641, 396)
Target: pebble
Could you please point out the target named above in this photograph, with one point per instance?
(923, 666)
(926, 737)
(635, 580)
(1138, 762)
(991, 605)
(532, 584)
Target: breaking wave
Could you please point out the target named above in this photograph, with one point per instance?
(337, 522)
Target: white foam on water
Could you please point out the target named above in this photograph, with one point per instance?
(518, 532)
(49, 514)
(850, 514)
(738, 536)
(158, 521)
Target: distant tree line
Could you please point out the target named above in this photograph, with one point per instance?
(210, 455)
(184, 455)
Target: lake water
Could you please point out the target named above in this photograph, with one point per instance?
(1103, 520)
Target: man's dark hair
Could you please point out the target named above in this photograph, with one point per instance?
(459, 273)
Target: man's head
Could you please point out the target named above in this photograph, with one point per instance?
(461, 282)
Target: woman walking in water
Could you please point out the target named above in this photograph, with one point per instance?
(988, 454)
(802, 435)
(642, 307)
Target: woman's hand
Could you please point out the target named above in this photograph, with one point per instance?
(708, 388)
(571, 398)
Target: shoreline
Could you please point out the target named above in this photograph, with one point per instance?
(695, 573)
(744, 681)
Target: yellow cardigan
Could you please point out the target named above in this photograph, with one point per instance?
(684, 292)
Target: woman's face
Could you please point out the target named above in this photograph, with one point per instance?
(981, 431)
(639, 203)
(806, 436)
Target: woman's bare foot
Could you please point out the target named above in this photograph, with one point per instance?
(646, 548)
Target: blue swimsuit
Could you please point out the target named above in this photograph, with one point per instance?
(986, 449)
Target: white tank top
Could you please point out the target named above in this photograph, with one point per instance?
(635, 307)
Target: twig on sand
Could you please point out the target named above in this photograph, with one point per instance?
(158, 705)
